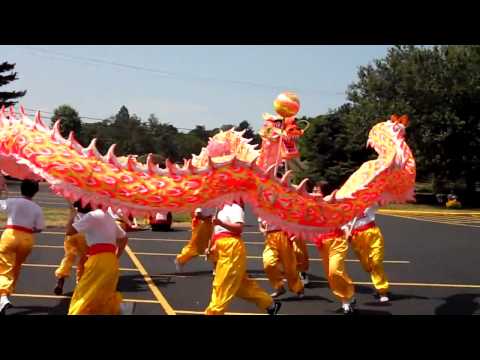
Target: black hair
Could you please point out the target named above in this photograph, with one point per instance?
(82, 209)
(29, 188)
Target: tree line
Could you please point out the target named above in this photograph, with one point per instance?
(132, 135)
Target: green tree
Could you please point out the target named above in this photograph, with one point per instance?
(7, 98)
(164, 138)
(69, 121)
(226, 127)
(439, 87)
(328, 150)
(201, 133)
(249, 133)
(187, 144)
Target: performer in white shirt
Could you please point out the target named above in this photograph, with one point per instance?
(231, 277)
(369, 246)
(279, 254)
(202, 229)
(96, 293)
(24, 218)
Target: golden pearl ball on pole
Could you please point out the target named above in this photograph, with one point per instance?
(287, 104)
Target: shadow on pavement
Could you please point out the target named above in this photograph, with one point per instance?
(363, 312)
(136, 283)
(396, 297)
(459, 304)
(60, 309)
(305, 298)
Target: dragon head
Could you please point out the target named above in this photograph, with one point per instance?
(285, 132)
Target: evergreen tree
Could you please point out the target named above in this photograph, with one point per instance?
(7, 98)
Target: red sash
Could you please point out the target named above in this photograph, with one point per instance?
(364, 227)
(320, 239)
(101, 248)
(19, 228)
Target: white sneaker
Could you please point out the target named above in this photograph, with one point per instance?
(178, 266)
(127, 308)
(349, 307)
(304, 278)
(383, 299)
(4, 304)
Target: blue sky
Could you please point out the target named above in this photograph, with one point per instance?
(186, 85)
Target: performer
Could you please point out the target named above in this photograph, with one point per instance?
(333, 248)
(96, 293)
(202, 229)
(279, 253)
(75, 246)
(24, 218)
(368, 243)
(231, 277)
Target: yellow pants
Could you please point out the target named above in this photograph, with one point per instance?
(278, 253)
(96, 293)
(201, 234)
(74, 246)
(369, 247)
(231, 278)
(15, 246)
(301, 253)
(334, 252)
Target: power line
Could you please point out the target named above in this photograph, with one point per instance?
(32, 112)
(173, 74)
(49, 112)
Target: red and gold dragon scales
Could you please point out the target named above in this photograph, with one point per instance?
(228, 168)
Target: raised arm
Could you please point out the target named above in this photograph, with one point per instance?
(70, 230)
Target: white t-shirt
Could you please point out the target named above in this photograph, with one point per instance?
(99, 228)
(23, 212)
(367, 217)
(205, 211)
(229, 213)
(160, 216)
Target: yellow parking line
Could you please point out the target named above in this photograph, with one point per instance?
(465, 286)
(260, 257)
(203, 313)
(156, 292)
